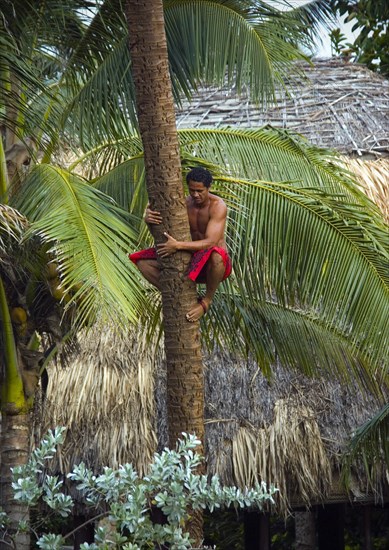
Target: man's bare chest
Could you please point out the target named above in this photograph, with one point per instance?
(198, 219)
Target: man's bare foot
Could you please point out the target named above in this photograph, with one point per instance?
(197, 311)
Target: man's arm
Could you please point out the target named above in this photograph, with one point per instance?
(213, 235)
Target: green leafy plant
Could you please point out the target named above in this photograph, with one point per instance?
(370, 20)
(127, 500)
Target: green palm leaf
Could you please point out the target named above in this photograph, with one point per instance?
(16, 74)
(133, 194)
(274, 155)
(297, 248)
(295, 337)
(87, 67)
(102, 105)
(315, 247)
(90, 238)
(314, 16)
(211, 41)
(370, 446)
(208, 41)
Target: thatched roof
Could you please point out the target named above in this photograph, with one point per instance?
(288, 431)
(374, 178)
(106, 400)
(342, 105)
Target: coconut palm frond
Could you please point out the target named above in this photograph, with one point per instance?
(102, 105)
(90, 239)
(299, 248)
(267, 154)
(12, 228)
(298, 338)
(245, 50)
(106, 27)
(38, 25)
(35, 41)
(98, 104)
(133, 195)
(299, 243)
(370, 446)
(255, 55)
(96, 162)
(314, 15)
(274, 155)
(16, 75)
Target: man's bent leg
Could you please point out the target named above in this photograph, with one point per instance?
(215, 274)
(150, 271)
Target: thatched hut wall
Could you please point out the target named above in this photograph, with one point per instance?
(289, 430)
(373, 176)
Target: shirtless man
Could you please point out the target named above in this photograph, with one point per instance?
(210, 262)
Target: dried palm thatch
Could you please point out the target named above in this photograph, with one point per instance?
(106, 401)
(288, 431)
(341, 105)
(290, 448)
(374, 178)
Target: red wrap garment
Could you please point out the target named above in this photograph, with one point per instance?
(197, 263)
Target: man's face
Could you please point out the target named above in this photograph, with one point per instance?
(198, 192)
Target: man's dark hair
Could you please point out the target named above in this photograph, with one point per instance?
(201, 175)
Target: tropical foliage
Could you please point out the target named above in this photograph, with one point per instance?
(369, 447)
(286, 197)
(129, 501)
(301, 193)
(79, 81)
(75, 88)
(370, 20)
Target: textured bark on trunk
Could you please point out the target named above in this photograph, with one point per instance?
(156, 115)
(15, 431)
(305, 529)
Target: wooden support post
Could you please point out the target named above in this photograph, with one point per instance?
(331, 527)
(305, 530)
(256, 531)
(367, 528)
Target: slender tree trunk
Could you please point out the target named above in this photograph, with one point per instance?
(156, 115)
(15, 430)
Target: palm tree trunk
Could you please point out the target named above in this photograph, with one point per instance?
(156, 115)
(15, 431)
